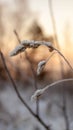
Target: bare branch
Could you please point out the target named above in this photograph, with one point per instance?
(15, 32)
(19, 96)
(33, 72)
(13, 83)
(35, 82)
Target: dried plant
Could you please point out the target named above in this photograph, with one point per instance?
(35, 44)
(29, 44)
(22, 48)
(42, 64)
(61, 64)
(39, 92)
(33, 72)
(17, 50)
(47, 127)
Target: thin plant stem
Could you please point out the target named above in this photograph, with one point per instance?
(55, 34)
(57, 82)
(53, 24)
(50, 56)
(62, 69)
(64, 58)
(19, 96)
(33, 72)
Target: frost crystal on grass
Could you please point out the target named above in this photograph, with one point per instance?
(40, 66)
(29, 44)
(37, 94)
(17, 50)
(35, 44)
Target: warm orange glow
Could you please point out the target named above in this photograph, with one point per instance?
(13, 16)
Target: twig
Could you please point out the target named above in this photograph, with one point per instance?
(57, 82)
(64, 58)
(19, 96)
(15, 32)
(55, 33)
(35, 82)
(50, 57)
(33, 72)
(39, 92)
(13, 83)
(53, 23)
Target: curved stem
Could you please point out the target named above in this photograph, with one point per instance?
(19, 96)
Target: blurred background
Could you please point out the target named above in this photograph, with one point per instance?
(46, 20)
(37, 20)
